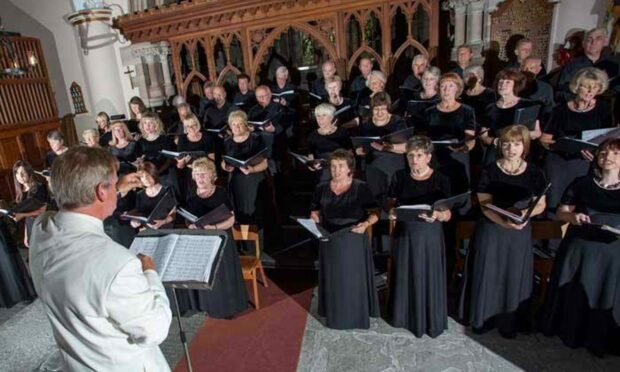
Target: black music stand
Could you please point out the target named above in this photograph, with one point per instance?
(188, 284)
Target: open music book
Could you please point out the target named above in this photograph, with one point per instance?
(317, 230)
(411, 212)
(182, 154)
(161, 210)
(217, 215)
(219, 130)
(260, 124)
(397, 137)
(590, 140)
(342, 110)
(181, 258)
(527, 116)
(306, 160)
(612, 229)
(315, 96)
(518, 219)
(253, 160)
(284, 93)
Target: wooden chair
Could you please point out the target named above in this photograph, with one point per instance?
(464, 230)
(250, 265)
(545, 230)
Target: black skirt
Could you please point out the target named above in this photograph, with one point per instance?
(347, 292)
(499, 273)
(561, 172)
(583, 302)
(249, 194)
(15, 283)
(418, 286)
(227, 297)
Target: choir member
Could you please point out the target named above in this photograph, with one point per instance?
(228, 295)
(537, 90)
(328, 69)
(509, 83)
(523, 51)
(247, 186)
(413, 83)
(123, 147)
(207, 100)
(281, 85)
(15, 283)
(184, 111)
(594, 44)
(347, 118)
(584, 112)
(427, 97)
(244, 98)
(193, 140)
(418, 287)
(583, 302)
(327, 138)
(375, 83)
(57, 146)
(347, 292)
(464, 55)
(27, 191)
(217, 114)
(91, 138)
(137, 109)
(274, 132)
(105, 132)
(498, 279)
(476, 95)
(152, 142)
(359, 82)
(382, 159)
(147, 198)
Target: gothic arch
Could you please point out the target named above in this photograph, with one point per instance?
(409, 43)
(362, 49)
(189, 79)
(227, 69)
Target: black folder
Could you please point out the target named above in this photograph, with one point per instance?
(217, 215)
(260, 124)
(318, 231)
(527, 116)
(182, 154)
(515, 217)
(397, 137)
(161, 210)
(411, 212)
(253, 160)
(572, 145)
(306, 161)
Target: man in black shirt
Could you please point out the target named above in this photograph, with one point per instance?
(413, 82)
(522, 51)
(244, 98)
(329, 71)
(537, 90)
(359, 83)
(463, 59)
(207, 100)
(216, 115)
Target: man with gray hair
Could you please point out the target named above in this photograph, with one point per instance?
(413, 82)
(328, 68)
(108, 308)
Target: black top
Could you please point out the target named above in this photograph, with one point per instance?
(408, 191)
(450, 125)
(479, 102)
(565, 122)
(346, 209)
(347, 115)
(369, 129)
(244, 150)
(318, 88)
(586, 196)
(357, 85)
(510, 191)
(199, 206)
(49, 158)
(260, 113)
(542, 93)
(291, 99)
(205, 143)
(145, 204)
(412, 83)
(39, 192)
(605, 63)
(204, 104)
(497, 118)
(217, 117)
(244, 101)
(150, 149)
(321, 145)
(105, 138)
(416, 111)
(126, 154)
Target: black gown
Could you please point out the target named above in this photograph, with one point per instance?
(561, 168)
(583, 302)
(321, 146)
(150, 151)
(418, 298)
(381, 165)
(347, 292)
(40, 193)
(15, 283)
(228, 295)
(249, 193)
(499, 274)
(446, 126)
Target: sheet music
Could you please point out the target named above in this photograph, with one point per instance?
(160, 248)
(311, 226)
(193, 258)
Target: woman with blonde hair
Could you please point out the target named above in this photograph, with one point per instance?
(91, 137)
(122, 146)
(228, 295)
(105, 131)
(151, 144)
(194, 140)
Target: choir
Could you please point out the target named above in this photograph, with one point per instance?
(365, 172)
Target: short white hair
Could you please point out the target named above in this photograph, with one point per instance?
(419, 57)
(432, 70)
(375, 74)
(282, 70)
(474, 70)
(325, 109)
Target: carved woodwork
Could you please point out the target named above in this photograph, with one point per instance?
(27, 112)
(342, 30)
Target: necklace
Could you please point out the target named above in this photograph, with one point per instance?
(514, 172)
(611, 186)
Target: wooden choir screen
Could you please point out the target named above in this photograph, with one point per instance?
(27, 110)
(214, 40)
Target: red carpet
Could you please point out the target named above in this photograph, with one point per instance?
(265, 340)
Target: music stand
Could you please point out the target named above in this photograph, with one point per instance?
(188, 284)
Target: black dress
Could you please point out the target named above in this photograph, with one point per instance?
(41, 194)
(381, 165)
(216, 117)
(15, 283)
(228, 295)
(583, 302)
(205, 144)
(416, 116)
(499, 275)
(125, 156)
(347, 292)
(561, 168)
(248, 192)
(347, 115)
(321, 146)
(418, 298)
(244, 101)
(150, 151)
(146, 204)
(479, 102)
(105, 138)
(446, 126)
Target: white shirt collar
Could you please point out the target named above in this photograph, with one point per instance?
(81, 221)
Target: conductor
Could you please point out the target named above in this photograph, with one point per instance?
(108, 308)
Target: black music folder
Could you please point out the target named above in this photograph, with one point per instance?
(317, 230)
(397, 137)
(527, 116)
(304, 160)
(514, 217)
(182, 154)
(161, 210)
(253, 160)
(411, 212)
(217, 215)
